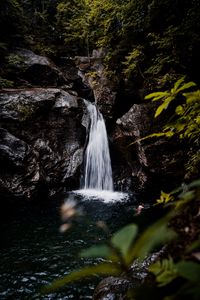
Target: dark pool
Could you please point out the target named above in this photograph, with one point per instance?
(33, 252)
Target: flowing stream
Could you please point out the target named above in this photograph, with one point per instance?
(98, 182)
(97, 171)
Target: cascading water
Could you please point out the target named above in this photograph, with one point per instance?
(97, 169)
(97, 181)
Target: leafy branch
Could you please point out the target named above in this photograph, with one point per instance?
(168, 96)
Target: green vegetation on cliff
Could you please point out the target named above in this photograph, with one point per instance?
(164, 35)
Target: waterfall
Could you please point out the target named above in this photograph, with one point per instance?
(97, 167)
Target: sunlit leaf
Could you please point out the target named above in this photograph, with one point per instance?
(163, 106)
(179, 110)
(165, 198)
(192, 97)
(156, 95)
(178, 83)
(153, 135)
(186, 86)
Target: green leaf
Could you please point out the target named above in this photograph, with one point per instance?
(100, 269)
(189, 270)
(165, 198)
(178, 83)
(186, 86)
(192, 97)
(155, 235)
(97, 251)
(163, 106)
(169, 134)
(156, 95)
(179, 110)
(124, 238)
(153, 135)
(194, 184)
(194, 246)
(165, 271)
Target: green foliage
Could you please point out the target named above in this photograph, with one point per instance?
(180, 197)
(11, 19)
(188, 125)
(15, 61)
(132, 62)
(125, 247)
(121, 250)
(124, 238)
(164, 270)
(165, 198)
(26, 111)
(193, 164)
(185, 121)
(168, 96)
(4, 83)
(166, 133)
(72, 22)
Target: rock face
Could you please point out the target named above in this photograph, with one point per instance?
(152, 162)
(41, 141)
(34, 69)
(93, 74)
(43, 132)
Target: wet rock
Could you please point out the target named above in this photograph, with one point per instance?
(23, 104)
(20, 172)
(152, 162)
(34, 69)
(112, 288)
(66, 100)
(12, 150)
(94, 76)
(41, 141)
(74, 162)
(116, 288)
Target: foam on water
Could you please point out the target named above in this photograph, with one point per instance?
(102, 195)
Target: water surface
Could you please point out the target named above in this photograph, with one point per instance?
(33, 252)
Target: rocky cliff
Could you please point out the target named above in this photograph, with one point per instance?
(42, 134)
(144, 166)
(41, 141)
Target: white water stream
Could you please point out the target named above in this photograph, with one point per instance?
(98, 182)
(97, 169)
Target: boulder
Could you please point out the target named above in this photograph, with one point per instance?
(12, 150)
(23, 104)
(41, 141)
(113, 288)
(153, 162)
(34, 69)
(94, 76)
(20, 169)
